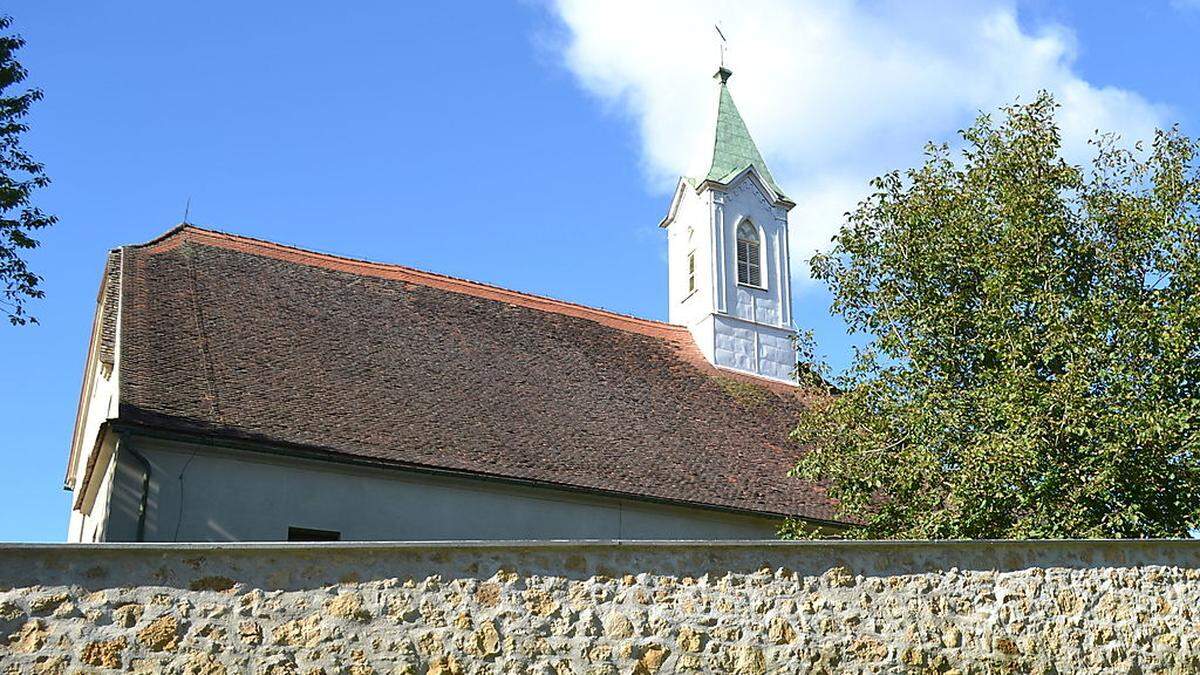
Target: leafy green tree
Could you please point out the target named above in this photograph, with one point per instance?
(1032, 327)
(20, 175)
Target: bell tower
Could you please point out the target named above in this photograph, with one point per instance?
(727, 244)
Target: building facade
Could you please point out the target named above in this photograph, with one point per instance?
(240, 390)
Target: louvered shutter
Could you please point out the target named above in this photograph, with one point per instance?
(743, 261)
(748, 260)
(752, 273)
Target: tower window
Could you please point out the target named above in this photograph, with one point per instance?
(691, 271)
(748, 257)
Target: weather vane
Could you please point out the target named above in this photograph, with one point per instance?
(722, 45)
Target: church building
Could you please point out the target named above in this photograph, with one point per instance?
(242, 390)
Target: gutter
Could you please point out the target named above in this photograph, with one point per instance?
(122, 443)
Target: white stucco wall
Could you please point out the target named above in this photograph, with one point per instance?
(201, 493)
(99, 405)
(744, 200)
(735, 325)
(758, 349)
(695, 214)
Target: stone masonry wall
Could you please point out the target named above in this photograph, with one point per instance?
(615, 607)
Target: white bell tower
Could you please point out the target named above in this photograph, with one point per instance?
(727, 242)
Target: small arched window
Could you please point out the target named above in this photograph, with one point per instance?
(748, 258)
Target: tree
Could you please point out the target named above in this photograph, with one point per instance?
(20, 175)
(1032, 357)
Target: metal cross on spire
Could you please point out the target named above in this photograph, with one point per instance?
(721, 35)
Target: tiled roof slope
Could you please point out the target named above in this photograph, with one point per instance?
(236, 337)
(109, 288)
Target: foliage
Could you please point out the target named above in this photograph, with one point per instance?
(20, 175)
(1033, 341)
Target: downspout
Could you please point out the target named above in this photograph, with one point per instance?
(141, 523)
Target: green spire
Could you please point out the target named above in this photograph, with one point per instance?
(733, 149)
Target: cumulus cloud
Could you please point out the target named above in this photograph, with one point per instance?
(834, 91)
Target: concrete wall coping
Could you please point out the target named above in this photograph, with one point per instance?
(830, 545)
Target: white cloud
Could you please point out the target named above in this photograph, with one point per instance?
(834, 92)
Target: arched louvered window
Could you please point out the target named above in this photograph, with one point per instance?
(748, 258)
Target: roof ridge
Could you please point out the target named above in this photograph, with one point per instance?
(255, 246)
(166, 235)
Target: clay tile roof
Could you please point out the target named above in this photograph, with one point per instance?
(240, 338)
(108, 307)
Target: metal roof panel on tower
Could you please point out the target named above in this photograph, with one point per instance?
(733, 148)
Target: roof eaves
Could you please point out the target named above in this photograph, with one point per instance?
(675, 199)
(727, 181)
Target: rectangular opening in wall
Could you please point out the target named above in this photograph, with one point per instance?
(307, 534)
(691, 271)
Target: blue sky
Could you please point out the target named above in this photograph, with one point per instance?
(530, 145)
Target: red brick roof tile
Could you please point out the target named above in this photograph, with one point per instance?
(242, 338)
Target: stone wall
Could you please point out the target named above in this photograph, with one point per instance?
(608, 607)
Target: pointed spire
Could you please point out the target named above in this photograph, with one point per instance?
(733, 149)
